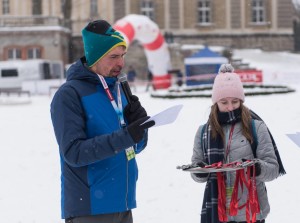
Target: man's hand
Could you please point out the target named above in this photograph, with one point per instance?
(136, 130)
(134, 110)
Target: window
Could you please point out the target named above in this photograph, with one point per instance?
(147, 9)
(258, 11)
(9, 73)
(36, 7)
(5, 7)
(34, 53)
(14, 54)
(57, 70)
(94, 8)
(204, 12)
(46, 70)
(66, 7)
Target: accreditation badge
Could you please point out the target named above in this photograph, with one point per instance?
(130, 154)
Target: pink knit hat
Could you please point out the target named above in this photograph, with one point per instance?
(227, 85)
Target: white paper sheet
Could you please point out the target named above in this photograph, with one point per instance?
(295, 138)
(166, 117)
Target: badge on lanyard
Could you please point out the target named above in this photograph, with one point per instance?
(130, 154)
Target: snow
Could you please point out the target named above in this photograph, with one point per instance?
(30, 173)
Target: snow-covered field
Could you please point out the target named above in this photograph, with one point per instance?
(30, 171)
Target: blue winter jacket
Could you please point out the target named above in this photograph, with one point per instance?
(96, 176)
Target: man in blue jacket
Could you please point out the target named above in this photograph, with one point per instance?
(98, 132)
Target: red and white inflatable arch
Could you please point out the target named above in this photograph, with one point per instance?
(143, 29)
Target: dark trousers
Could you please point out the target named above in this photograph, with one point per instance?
(258, 221)
(120, 217)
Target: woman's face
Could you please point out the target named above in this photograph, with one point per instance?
(228, 104)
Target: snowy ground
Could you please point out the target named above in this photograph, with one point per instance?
(30, 171)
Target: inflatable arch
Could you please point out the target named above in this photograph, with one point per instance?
(143, 29)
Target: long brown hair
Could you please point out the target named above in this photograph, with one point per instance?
(216, 128)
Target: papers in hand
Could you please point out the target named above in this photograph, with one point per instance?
(295, 138)
(166, 117)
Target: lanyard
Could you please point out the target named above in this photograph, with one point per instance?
(118, 108)
(252, 202)
(229, 141)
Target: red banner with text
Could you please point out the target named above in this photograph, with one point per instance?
(250, 76)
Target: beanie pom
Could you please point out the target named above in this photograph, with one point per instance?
(226, 68)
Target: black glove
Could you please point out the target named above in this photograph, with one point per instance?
(257, 168)
(201, 175)
(136, 130)
(134, 110)
(193, 165)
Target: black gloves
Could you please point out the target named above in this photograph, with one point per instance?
(257, 168)
(194, 165)
(136, 130)
(134, 110)
(201, 175)
(136, 115)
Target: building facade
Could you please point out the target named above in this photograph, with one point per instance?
(52, 29)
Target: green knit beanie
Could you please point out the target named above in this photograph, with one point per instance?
(98, 39)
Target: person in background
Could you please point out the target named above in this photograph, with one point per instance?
(179, 76)
(227, 138)
(131, 75)
(98, 132)
(149, 80)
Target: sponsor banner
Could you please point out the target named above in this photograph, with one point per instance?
(250, 76)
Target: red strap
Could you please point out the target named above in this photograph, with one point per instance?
(253, 197)
(229, 141)
(252, 204)
(221, 198)
(239, 180)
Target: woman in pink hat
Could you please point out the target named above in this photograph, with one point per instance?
(233, 133)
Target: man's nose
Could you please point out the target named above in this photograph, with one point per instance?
(121, 61)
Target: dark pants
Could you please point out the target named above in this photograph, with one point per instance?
(120, 217)
(258, 221)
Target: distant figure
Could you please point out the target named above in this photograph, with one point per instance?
(131, 74)
(149, 79)
(179, 78)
